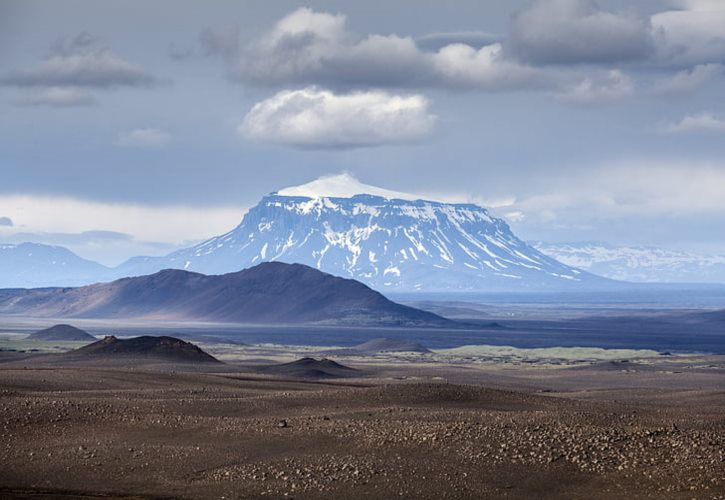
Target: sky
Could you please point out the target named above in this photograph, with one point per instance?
(133, 127)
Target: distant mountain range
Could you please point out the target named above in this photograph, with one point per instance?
(269, 293)
(28, 265)
(638, 264)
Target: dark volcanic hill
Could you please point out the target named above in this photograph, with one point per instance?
(162, 348)
(311, 368)
(269, 293)
(62, 332)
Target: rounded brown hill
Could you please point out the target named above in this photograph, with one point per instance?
(62, 332)
(159, 348)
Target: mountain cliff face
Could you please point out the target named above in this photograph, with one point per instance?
(390, 244)
(269, 293)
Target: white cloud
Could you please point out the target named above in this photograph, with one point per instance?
(578, 31)
(687, 81)
(461, 65)
(308, 47)
(58, 97)
(144, 138)
(703, 122)
(610, 86)
(313, 117)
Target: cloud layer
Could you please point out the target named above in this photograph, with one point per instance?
(630, 190)
(687, 81)
(143, 138)
(317, 118)
(58, 97)
(703, 122)
(550, 44)
(610, 86)
(172, 224)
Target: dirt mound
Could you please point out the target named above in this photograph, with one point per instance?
(61, 332)
(311, 368)
(162, 348)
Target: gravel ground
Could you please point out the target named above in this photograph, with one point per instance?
(88, 432)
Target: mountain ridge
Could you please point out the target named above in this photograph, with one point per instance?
(269, 293)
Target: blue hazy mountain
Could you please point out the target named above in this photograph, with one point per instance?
(384, 239)
(638, 263)
(29, 265)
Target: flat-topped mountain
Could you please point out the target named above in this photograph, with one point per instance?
(62, 332)
(269, 293)
(390, 241)
(161, 348)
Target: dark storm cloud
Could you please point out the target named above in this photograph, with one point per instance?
(80, 62)
(308, 47)
(578, 32)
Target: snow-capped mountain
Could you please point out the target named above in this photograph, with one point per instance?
(638, 264)
(388, 240)
(29, 265)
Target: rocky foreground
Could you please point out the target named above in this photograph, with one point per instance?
(129, 433)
